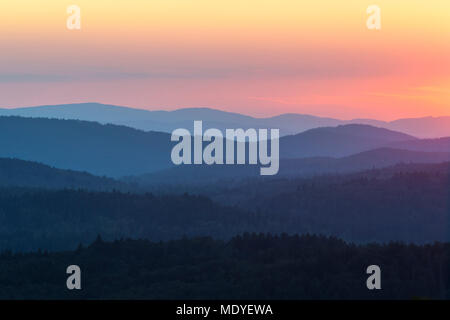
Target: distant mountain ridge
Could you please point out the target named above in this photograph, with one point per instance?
(116, 151)
(167, 121)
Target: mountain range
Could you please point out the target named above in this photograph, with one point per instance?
(167, 121)
(119, 151)
(59, 180)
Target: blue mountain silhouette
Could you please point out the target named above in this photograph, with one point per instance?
(167, 121)
(117, 151)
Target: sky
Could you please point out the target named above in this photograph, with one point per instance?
(260, 58)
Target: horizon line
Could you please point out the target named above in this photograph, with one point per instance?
(220, 110)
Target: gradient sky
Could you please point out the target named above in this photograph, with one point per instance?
(260, 57)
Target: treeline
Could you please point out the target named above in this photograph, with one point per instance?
(250, 266)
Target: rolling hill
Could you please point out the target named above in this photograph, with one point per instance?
(338, 141)
(107, 150)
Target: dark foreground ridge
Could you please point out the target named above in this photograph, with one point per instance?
(250, 266)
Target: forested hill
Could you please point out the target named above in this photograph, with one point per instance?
(20, 173)
(59, 220)
(411, 206)
(250, 266)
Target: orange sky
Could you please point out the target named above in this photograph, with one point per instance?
(260, 57)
